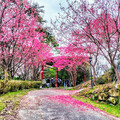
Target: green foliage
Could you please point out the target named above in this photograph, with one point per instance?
(12, 85)
(106, 77)
(18, 78)
(80, 77)
(50, 39)
(101, 80)
(50, 73)
(63, 74)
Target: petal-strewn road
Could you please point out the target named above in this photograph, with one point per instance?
(53, 104)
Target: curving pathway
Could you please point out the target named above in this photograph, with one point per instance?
(53, 104)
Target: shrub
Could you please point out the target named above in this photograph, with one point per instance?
(14, 85)
(105, 78)
(101, 80)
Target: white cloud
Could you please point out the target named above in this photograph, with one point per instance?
(51, 8)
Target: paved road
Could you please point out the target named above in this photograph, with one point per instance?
(52, 104)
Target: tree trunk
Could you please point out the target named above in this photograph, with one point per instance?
(11, 75)
(75, 76)
(6, 75)
(117, 75)
(94, 75)
(72, 77)
(35, 74)
(116, 72)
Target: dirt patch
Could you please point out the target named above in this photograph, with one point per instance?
(10, 111)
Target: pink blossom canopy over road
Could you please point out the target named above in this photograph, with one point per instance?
(70, 56)
(41, 54)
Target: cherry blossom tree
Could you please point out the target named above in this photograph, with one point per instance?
(18, 34)
(98, 23)
(89, 48)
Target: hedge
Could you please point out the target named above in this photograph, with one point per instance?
(12, 85)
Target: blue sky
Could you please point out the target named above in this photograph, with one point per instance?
(51, 8)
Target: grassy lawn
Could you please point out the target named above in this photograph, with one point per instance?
(108, 108)
(12, 98)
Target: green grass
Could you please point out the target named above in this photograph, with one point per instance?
(108, 108)
(72, 88)
(14, 97)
